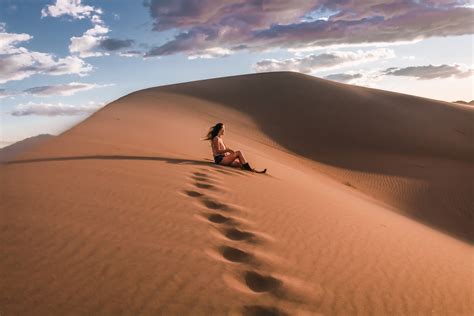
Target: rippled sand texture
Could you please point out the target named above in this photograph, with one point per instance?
(366, 208)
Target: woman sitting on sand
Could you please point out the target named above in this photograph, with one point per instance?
(223, 155)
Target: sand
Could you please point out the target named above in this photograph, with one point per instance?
(366, 208)
(11, 151)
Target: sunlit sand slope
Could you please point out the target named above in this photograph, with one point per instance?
(364, 209)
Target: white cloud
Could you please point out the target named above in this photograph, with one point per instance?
(59, 109)
(8, 41)
(96, 19)
(330, 60)
(90, 43)
(432, 71)
(131, 53)
(313, 48)
(84, 45)
(63, 89)
(27, 63)
(366, 78)
(73, 8)
(17, 62)
(211, 53)
(8, 93)
(344, 77)
(67, 89)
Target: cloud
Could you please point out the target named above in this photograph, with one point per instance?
(185, 14)
(413, 25)
(86, 44)
(271, 24)
(93, 41)
(131, 53)
(330, 60)
(67, 89)
(8, 93)
(344, 77)
(362, 77)
(27, 63)
(370, 78)
(9, 41)
(211, 53)
(73, 8)
(112, 44)
(17, 62)
(59, 109)
(431, 72)
(83, 46)
(63, 89)
(207, 24)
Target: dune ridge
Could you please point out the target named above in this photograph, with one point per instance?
(365, 209)
(424, 144)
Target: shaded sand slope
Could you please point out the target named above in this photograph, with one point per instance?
(411, 152)
(11, 151)
(123, 214)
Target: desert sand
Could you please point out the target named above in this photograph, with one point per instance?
(366, 208)
(9, 152)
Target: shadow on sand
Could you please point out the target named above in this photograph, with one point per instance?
(205, 162)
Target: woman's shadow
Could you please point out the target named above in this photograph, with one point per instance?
(205, 162)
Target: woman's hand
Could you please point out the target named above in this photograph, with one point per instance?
(229, 150)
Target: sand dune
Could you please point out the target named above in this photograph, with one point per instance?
(365, 209)
(412, 152)
(11, 151)
(465, 102)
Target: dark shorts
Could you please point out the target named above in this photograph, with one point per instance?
(218, 158)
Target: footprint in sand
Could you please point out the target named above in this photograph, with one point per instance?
(220, 219)
(236, 255)
(261, 283)
(238, 235)
(215, 205)
(206, 186)
(193, 193)
(260, 310)
(256, 282)
(201, 179)
(200, 174)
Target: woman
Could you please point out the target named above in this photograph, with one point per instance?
(223, 155)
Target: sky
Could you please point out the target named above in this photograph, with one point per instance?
(62, 60)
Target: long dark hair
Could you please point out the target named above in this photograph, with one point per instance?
(213, 131)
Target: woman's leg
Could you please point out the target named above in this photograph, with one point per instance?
(230, 159)
(236, 164)
(242, 159)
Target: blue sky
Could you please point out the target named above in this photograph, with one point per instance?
(61, 60)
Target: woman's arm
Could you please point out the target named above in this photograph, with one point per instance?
(215, 143)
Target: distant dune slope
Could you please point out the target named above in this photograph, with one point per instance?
(11, 151)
